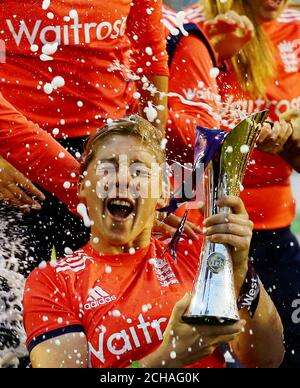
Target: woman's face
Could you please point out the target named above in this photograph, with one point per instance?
(268, 10)
(120, 196)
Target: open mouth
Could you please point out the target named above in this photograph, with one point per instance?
(120, 209)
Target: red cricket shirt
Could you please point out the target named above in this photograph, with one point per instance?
(195, 102)
(84, 43)
(121, 302)
(267, 191)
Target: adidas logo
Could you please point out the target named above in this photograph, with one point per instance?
(98, 297)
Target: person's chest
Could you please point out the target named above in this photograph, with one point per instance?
(284, 92)
(131, 325)
(25, 27)
(125, 311)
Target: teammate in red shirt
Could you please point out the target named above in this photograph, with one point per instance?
(83, 44)
(194, 93)
(282, 94)
(274, 248)
(66, 69)
(112, 302)
(63, 67)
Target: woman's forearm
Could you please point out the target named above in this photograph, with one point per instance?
(261, 344)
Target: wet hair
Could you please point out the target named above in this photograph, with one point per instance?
(133, 125)
(255, 65)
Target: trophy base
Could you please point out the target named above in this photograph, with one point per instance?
(208, 320)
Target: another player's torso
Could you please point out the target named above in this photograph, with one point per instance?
(267, 192)
(90, 36)
(125, 304)
(268, 176)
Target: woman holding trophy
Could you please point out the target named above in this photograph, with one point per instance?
(259, 69)
(120, 300)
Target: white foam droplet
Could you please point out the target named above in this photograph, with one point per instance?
(229, 150)
(180, 20)
(132, 251)
(108, 269)
(55, 131)
(116, 313)
(43, 264)
(34, 48)
(46, 4)
(50, 48)
(48, 89)
(174, 31)
(173, 355)
(82, 211)
(67, 185)
(45, 58)
(244, 149)
(73, 14)
(58, 82)
(151, 112)
(80, 104)
(59, 320)
(68, 251)
(163, 144)
(61, 155)
(148, 51)
(144, 308)
(96, 240)
(136, 95)
(214, 72)
(45, 318)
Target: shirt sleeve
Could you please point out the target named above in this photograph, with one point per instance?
(47, 309)
(190, 77)
(146, 33)
(37, 155)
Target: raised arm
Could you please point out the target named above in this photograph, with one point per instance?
(261, 343)
(36, 154)
(191, 77)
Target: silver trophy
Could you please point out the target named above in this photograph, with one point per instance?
(214, 300)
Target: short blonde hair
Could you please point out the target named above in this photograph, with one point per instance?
(133, 125)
